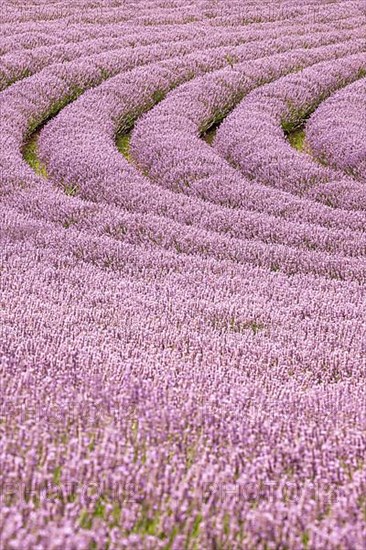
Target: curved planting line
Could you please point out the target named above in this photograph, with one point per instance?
(271, 12)
(70, 190)
(336, 132)
(283, 106)
(28, 41)
(137, 35)
(66, 82)
(53, 15)
(66, 54)
(190, 110)
(150, 231)
(22, 64)
(74, 186)
(69, 187)
(81, 12)
(220, 59)
(110, 64)
(123, 258)
(157, 232)
(108, 167)
(16, 67)
(296, 131)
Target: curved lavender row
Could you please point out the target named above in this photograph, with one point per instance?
(151, 213)
(125, 258)
(290, 11)
(156, 14)
(169, 162)
(96, 133)
(55, 407)
(238, 315)
(22, 64)
(210, 238)
(89, 11)
(336, 132)
(253, 140)
(80, 33)
(69, 80)
(64, 82)
(18, 67)
(157, 47)
(261, 254)
(35, 39)
(270, 262)
(162, 234)
(224, 316)
(19, 64)
(66, 249)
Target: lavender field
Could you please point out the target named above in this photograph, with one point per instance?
(182, 274)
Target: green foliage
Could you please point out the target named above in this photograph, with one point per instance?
(71, 190)
(158, 95)
(123, 145)
(305, 538)
(296, 139)
(85, 520)
(234, 325)
(242, 326)
(231, 59)
(148, 523)
(30, 155)
(210, 135)
(57, 475)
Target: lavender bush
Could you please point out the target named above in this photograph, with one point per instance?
(182, 324)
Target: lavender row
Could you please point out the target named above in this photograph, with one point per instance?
(229, 289)
(187, 165)
(252, 138)
(237, 295)
(153, 14)
(60, 92)
(20, 63)
(160, 233)
(145, 213)
(99, 186)
(336, 132)
(55, 32)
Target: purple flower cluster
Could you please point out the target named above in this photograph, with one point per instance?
(182, 326)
